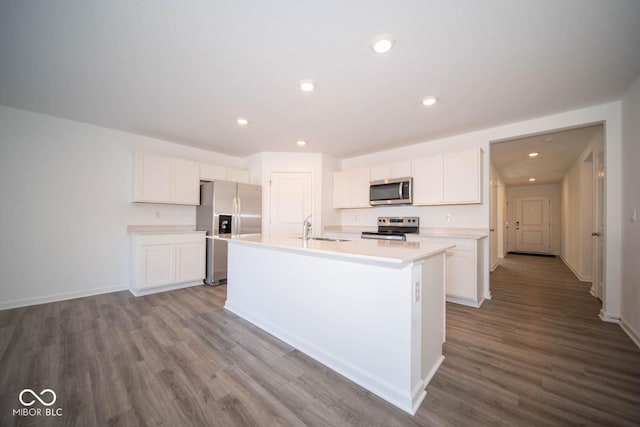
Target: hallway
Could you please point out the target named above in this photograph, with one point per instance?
(536, 354)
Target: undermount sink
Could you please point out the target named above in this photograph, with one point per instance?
(326, 239)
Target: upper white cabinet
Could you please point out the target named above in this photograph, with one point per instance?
(351, 188)
(238, 175)
(447, 179)
(220, 173)
(462, 176)
(186, 182)
(391, 171)
(212, 172)
(162, 179)
(428, 187)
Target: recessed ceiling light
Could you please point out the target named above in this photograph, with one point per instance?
(382, 43)
(301, 143)
(429, 101)
(242, 121)
(307, 85)
(531, 179)
(534, 154)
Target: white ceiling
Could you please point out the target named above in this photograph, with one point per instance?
(558, 151)
(185, 70)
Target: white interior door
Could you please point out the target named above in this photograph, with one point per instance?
(598, 233)
(290, 201)
(533, 224)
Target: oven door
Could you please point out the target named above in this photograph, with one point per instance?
(390, 192)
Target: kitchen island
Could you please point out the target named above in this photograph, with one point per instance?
(372, 310)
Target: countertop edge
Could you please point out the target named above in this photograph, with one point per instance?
(398, 262)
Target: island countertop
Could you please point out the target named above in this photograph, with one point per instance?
(360, 250)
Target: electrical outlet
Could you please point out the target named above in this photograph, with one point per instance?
(417, 291)
(633, 217)
(447, 217)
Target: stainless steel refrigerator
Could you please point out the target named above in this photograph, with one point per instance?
(226, 208)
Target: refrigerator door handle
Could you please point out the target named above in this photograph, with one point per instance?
(234, 216)
(239, 213)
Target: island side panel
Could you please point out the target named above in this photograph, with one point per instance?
(433, 315)
(353, 317)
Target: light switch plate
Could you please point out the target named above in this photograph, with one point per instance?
(633, 218)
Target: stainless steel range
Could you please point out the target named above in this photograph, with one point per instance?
(394, 228)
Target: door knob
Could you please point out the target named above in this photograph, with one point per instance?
(595, 234)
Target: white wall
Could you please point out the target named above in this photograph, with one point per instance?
(631, 200)
(478, 215)
(66, 204)
(578, 211)
(552, 191)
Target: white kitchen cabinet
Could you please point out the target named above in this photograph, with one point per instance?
(163, 179)
(351, 188)
(212, 172)
(238, 175)
(448, 179)
(391, 171)
(186, 182)
(462, 176)
(428, 185)
(464, 280)
(165, 261)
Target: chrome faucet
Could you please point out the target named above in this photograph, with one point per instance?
(306, 228)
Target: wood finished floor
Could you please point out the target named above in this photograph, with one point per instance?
(536, 354)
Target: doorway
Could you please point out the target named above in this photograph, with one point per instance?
(560, 219)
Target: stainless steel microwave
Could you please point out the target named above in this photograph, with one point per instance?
(391, 192)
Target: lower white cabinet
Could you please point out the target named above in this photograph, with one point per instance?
(464, 267)
(165, 261)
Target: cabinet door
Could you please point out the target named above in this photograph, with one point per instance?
(186, 182)
(427, 180)
(152, 178)
(400, 170)
(158, 265)
(190, 259)
(341, 190)
(380, 172)
(238, 175)
(391, 171)
(212, 172)
(359, 185)
(462, 177)
(460, 274)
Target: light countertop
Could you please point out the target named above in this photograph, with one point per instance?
(162, 229)
(453, 232)
(362, 250)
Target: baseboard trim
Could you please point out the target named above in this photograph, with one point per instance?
(464, 301)
(608, 317)
(579, 276)
(25, 302)
(143, 292)
(630, 331)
